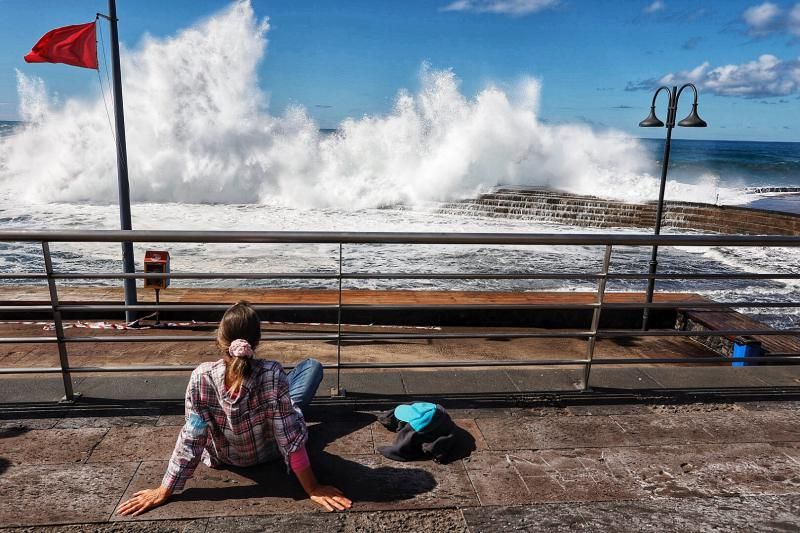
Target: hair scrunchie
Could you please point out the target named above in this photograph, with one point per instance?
(241, 348)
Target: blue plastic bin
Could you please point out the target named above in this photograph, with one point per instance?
(745, 347)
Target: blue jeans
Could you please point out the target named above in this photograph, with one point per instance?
(304, 380)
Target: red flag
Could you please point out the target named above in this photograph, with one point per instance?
(73, 45)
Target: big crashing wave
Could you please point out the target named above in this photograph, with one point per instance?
(199, 131)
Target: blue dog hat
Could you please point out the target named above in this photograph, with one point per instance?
(418, 415)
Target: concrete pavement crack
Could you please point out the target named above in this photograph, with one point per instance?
(95, 445)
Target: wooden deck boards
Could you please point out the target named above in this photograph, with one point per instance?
(30, 294)
(717, 319)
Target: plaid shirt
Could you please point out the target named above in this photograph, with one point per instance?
(259, 424)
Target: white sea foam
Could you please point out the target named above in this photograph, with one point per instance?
(199, 131)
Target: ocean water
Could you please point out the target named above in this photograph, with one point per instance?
(206, 153)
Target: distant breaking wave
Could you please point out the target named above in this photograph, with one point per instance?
(199, 131)
(772, 190)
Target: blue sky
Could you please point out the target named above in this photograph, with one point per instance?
(597, 60)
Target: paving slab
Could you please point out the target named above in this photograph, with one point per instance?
(715, 423)
(171, 420)
(648, 430)
(531, 433)
(61, 494)
(549, 476)
(607, 409)
(446, 521)
(546, 379)
(785, 375)
(761, 426)
(753, 513)
(377, 483)
(703, 377)
(768, 405)
(222, 492)
(30, 423)
(347, 435)
(372, 481)
(379, 384)
(443, 521)
(628, 378)
(524, 518)
(35, 388)
(50, 446)
(279, 523)
(712, 469)
(457, 381)
(144, 443)
(125, 387)
(154, 526)
(106, 422)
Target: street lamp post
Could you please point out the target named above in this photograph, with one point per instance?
(691, 121)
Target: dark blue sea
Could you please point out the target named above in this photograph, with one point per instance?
(772, 168)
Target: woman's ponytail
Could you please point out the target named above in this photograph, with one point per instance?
(237, 337)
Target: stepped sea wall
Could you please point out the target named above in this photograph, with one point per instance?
(590, 211)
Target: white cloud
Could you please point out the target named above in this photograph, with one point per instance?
(793, 21)
(766, 76)
(501, 7)
(657, 5)
(766, 18)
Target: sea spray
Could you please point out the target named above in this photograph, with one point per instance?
(199, 131)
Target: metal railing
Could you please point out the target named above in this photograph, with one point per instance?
(606, 241)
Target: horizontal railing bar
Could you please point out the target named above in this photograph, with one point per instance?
(192, 338)
(479, 307)
(300, 307)
(609, 334)
(364, 365)
(99, 369)
(388, 275)
(195, 275)
(699, 360)
(455, 364)
(102, 369)
(460, 275)
(423, 364)
(188, 307)
(333, 237)
(405, 336)
(691, 305)
(293, 337)
(25, 309)
(27, 340)
(682, 304)
(703, 275)
(477, 335)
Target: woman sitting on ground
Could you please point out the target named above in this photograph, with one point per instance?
(243, 411)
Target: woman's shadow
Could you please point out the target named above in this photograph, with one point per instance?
(362, 478)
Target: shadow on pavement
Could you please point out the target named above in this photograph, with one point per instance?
(358, 482)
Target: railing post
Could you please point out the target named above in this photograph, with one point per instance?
(601, 291)
(69, 394)
(338, 391)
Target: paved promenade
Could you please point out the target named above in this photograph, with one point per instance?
(724, 466)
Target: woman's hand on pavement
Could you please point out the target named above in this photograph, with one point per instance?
(143, 501)
(330, 498)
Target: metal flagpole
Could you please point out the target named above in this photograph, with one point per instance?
(122, 165)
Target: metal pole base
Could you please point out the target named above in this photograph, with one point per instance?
(338, 393)
(75, 397)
